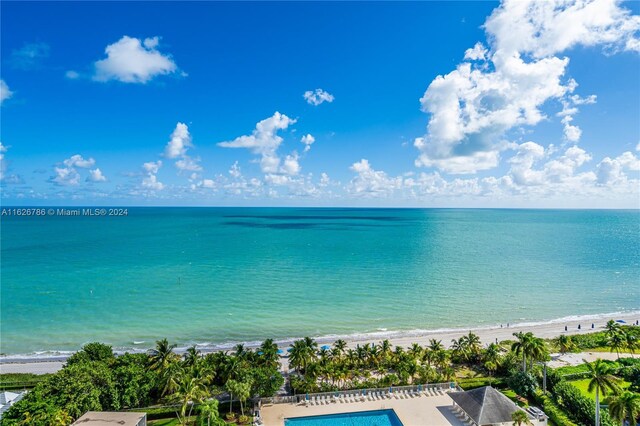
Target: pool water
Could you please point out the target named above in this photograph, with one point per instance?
(360, 418)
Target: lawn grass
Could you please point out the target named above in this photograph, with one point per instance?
(583, 386)
(17, 381)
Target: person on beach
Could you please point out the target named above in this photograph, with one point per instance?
(565, 328)
(593, 325)
(579, 327)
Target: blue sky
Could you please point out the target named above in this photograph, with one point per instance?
(409, 104)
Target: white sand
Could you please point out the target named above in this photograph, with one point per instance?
(41, 367)
(487, 335)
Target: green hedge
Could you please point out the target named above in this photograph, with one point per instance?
(551, 409)
(478, 382)
(581, 409)
(19, 381)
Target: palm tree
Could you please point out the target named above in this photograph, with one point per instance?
(631, 342)
(162, 355)
(435, 345)
(519, 417)
(268, 353)
(529, 346)
(520, 346)
(209, 411)
(601, 381)
(565, 343)
(302, 353)
(340, 345)
(625, 406)
(415, 351)
(473, 344)
(617, 341)
(459, 347)
(190, 390)
(612, 328)
(191, 356)
(537, 350)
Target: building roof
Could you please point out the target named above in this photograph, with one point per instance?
(104, 418)
(485, 405)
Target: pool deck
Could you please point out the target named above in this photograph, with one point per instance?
(413, 411)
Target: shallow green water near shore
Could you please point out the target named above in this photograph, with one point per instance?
(216, 276)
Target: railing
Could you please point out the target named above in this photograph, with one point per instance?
(359, 394)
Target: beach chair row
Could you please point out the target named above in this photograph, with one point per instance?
(366, 395)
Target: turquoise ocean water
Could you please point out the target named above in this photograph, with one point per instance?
(217, 276)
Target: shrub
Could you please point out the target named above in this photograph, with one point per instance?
(523, 383)
(551, 409)
(580, 408)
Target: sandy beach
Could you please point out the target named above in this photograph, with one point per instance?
(487, 335)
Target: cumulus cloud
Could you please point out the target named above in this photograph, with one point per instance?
(611, 171)
(543, 29)
(150, 180)
(3, 166)
(235, 171)
(370, 182)
(5, 93)
(177, 148)
(318, 96)
(472, 107)
(96, 176)
(67, 174)
(264, 141)
(78, 161)
(131, 60)
(29, 55)
(290, 165)
(307, 140)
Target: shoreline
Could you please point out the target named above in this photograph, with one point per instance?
(38, 364)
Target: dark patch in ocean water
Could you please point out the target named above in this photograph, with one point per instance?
(299, 225)
(317, 217)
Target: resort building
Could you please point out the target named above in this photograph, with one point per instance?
(486, 406)
(104, 418)
(7, 399)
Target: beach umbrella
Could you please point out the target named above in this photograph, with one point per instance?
(289, 350)
(260, 352)
(621, 321)
(280, 351)
(325, 347)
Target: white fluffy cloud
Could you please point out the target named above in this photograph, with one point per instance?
(3, 167)
(78, 161)
(180, 141)
(177, 148)
(290, 165)
(5, 92)
(370, 182)
(318, 96)
(611, 171)
(264, 141)
(545, 28)
(96, 176)
(67, 174)
(472, 107)
(536, 176)
(307, 140)
(150, 180)
(131, 60)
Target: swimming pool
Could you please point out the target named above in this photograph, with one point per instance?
(360, 418)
